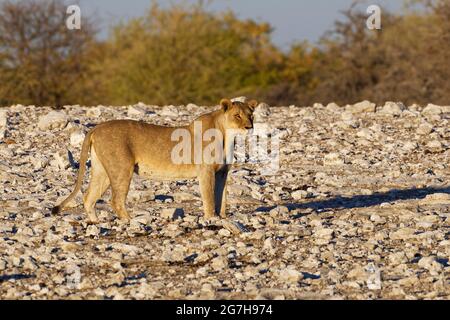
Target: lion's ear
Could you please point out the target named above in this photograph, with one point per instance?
(225, 104)
(252, 104)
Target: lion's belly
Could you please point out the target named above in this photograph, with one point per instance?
(171, 172)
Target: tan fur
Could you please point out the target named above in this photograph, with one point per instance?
(120, 147)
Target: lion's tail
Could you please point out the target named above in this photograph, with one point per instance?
(83, 158)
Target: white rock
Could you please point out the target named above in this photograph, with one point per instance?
(184, 196)
(268, 245)
(374, 278)
(431, 265)
(435, 146)
(3, 122)
(398, 258)
(172, 213)
(191, 107)
(58, 161)
(207, 291)
(29, 264)
(92, 230)
(257, 235)
(53, 120)
(219, 263)
(115, 279)
(141, 195)
(210, 243)
(425, 129)
(146, 291)
(402, 234)
(94, 112)
(279, 210)
(290, 276)
(333, 159)
(262, 111)
(263, 107)
(323, 235)
(224, 233)
(143, 218)
(235, 227)
(366, 134)
(333, 107)
(393, 108)
(347, 116)
(126, 249)
(77, 138)
(135, 111)
(432, 109)
(300, 194)
(239, 99)
(238, 190)
(169, 111)
(73, 276)
(361, 107)
(318, 106)
(438, 196)
(176, 254)
(3, 265)
(409, 146)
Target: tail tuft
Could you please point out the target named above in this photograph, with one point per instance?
(56, 210)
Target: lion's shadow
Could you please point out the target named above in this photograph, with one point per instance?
(362, 201)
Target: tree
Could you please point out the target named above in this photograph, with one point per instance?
(41, 61)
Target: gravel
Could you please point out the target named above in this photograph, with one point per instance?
(359, 209)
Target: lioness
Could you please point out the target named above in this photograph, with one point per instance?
(121, 147)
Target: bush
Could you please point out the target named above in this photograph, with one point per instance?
(406, 61)
(186, 54)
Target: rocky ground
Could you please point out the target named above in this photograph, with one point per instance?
(360, 209)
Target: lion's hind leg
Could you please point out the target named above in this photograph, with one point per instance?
(120, 178)
(98, 184)
(120, 188)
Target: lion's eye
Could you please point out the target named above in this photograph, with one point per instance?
(238, 117)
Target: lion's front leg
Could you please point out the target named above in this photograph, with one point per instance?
(220, 192)
(207, 181)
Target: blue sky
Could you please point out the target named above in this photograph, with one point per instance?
(293, 20)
